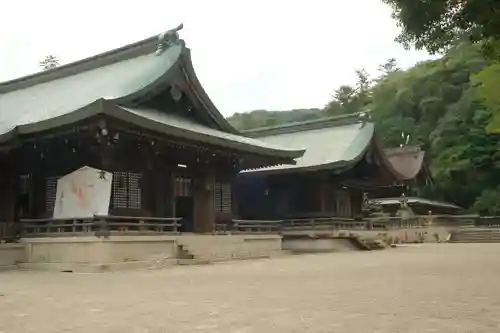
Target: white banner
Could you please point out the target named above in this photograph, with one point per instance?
(83, 193)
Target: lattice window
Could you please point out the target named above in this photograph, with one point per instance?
(119, 190)
(134, 190)
(222, 197)
(217, 197)
(126, 190)
(50, 193)
(226, 198)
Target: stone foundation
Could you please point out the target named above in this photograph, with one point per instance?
(91, 254)
(11, 255)
(318, 245)
(328, 241)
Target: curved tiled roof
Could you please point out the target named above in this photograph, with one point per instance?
(119, 77)
(331, 143)
(347, 143)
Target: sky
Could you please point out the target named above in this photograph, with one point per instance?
(248, 55)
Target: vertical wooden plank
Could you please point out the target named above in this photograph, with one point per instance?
(204, 217)
(173, 193)
(234, 200)
(322, 194)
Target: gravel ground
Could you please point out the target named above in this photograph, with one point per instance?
(426, 288)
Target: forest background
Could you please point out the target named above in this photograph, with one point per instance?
(449, 106)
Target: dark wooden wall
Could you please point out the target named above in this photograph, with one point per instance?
(148, 165)
(319, 193)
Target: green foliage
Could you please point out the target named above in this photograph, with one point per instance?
(438, 25)
(263, 118)
(445, 105)
(488, 203)
(389, 67)
(488, 84)
(438, 103)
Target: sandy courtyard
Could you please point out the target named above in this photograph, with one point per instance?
(429, 288)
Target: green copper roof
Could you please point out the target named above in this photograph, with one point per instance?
(330, 143)
(188, 129)
(52, 98)
(120, 77)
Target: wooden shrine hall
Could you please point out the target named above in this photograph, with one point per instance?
(343, 160)
(138, 113)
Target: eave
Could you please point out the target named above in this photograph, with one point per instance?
(119, 79)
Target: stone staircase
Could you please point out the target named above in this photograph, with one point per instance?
(476, 236)
(199, 249)
(369, 244)
(186, 257)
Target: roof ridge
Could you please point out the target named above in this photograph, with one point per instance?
(333, 121)
(129, 51)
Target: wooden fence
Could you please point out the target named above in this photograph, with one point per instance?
(99, 225)
(103, 226)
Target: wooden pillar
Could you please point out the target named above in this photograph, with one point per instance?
(234, 199)
(8, 194)
(106, 154)
(204, 217)
(322, 198)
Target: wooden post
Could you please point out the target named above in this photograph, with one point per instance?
(204, 217)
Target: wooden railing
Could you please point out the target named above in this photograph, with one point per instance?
(488, 222)
(419, 221)
(139, 224)
(99, 225)
(322, 223)
(53, 226)
(256, 226)
(391, 222)
(102, 226)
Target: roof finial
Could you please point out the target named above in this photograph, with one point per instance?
(364, 117)
(168, 38)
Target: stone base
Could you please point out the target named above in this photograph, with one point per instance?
(92, 254)
(305, 245)
(11, 254)
(415, 235)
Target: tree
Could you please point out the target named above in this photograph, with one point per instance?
(334, 108)
(440, 102)
(488, 84)
(437, 25)
(445, 105)
(390, 66)
(363, 89)
(344, 95)
(345, 100)
(49, 62)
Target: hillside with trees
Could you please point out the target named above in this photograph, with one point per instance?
(441, 105)
(262, 118)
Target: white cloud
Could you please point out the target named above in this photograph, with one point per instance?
(248, 55)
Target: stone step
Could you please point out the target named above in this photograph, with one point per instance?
(478, 232)
(194, 261)
(472, 239)
(476, 236)
(476, 241)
